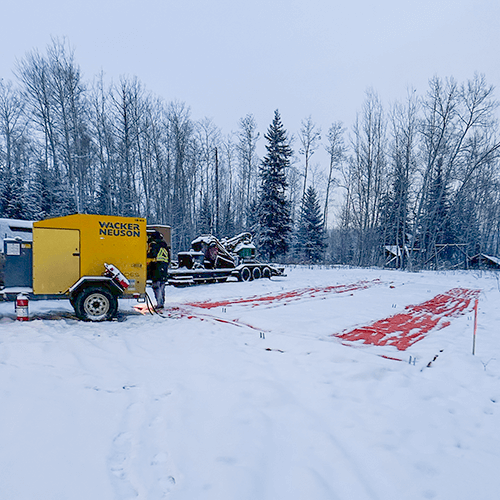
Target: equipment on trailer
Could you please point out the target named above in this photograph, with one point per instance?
(211, 260)
(93, 260)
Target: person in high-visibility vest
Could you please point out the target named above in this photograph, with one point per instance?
(159, 253)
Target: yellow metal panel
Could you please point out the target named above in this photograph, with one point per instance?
(121, 241)
(56, 260)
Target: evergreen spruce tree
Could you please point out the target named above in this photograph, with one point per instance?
(252, 219)
(227, 220)
(31, 202)
(311, 235)
(103, 200)
(205, 225)
(274, 221)
(42, 184)
(15, 207)
(12, 195)
(437, 211)
(5, 191)
(64, 203)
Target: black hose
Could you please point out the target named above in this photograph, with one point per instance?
(151, 307)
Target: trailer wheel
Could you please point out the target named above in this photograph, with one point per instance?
(266, 273)
(256, 273)
(95, 304)
(245, 274)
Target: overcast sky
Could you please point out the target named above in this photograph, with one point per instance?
(227, 58)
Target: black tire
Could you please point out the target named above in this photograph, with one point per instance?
(95, 304)
(245, 274)
(266, 273)
(256, 274)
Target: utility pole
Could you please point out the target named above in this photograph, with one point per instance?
(217, 193)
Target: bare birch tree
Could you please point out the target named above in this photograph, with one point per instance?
(403, 158)
(336, 152)
(368, 176)
(14, 153)
(309, 137)
(248, 161)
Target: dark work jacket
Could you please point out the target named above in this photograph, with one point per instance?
(158, 267)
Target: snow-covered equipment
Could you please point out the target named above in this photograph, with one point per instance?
(22, 307)
(15, 228)
(93, 260)
(211, 260)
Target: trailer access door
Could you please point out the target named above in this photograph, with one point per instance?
(56, 260)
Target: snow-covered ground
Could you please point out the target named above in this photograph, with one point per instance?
(254, 399)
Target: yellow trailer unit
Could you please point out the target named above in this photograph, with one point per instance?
(86, 257)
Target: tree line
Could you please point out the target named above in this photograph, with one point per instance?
(417, 184)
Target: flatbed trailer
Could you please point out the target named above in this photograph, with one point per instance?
(92, 260)
(246, 271)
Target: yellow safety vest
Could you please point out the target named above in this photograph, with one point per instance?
(162, 255)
